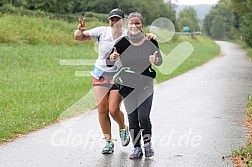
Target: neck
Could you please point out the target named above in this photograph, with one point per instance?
(137, 43)
(136, 39)
(116, 34)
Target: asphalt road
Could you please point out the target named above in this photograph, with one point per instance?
(197, 122)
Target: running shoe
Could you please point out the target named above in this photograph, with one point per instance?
(109, 147)
(137, 153)
(124, 135)
(148, 150)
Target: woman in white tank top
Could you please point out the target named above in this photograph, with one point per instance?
(106, 93)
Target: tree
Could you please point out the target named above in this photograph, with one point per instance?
(246, 30)
(3, 2)
(228, 17)
(217, 30)
(243, 12)
(133, 6)
(188, 17)
(207, 22)
(150, 9)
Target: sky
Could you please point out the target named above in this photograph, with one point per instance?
(194, 2)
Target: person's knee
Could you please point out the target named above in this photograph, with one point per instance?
(114, 111)
(144, 119)
(103, 108)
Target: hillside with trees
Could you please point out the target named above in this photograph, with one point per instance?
(201, 10)
(150, 9)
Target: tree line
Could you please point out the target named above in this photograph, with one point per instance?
(230, 19)
(149, 9)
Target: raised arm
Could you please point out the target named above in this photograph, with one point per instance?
(80, 34)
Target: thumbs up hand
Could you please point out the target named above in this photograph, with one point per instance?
(153, 58)
(82, 24)
(114, 56)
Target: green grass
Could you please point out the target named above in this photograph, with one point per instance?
(35, 89)
(34, 30)
(204, 50)
(249, 50)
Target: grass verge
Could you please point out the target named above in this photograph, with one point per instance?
(243, 156)
(204, 50)
(35, 89)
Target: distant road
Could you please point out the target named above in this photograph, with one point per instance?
(188, 33)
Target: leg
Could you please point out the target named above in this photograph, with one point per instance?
(130, 103)
(102, 95)
(144, 116)
(114, 108)
(118, 116)
(134, 128)
(145, 123)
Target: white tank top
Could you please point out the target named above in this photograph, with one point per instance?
(105, 43)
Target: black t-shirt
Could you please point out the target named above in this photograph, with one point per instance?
(137, 57)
